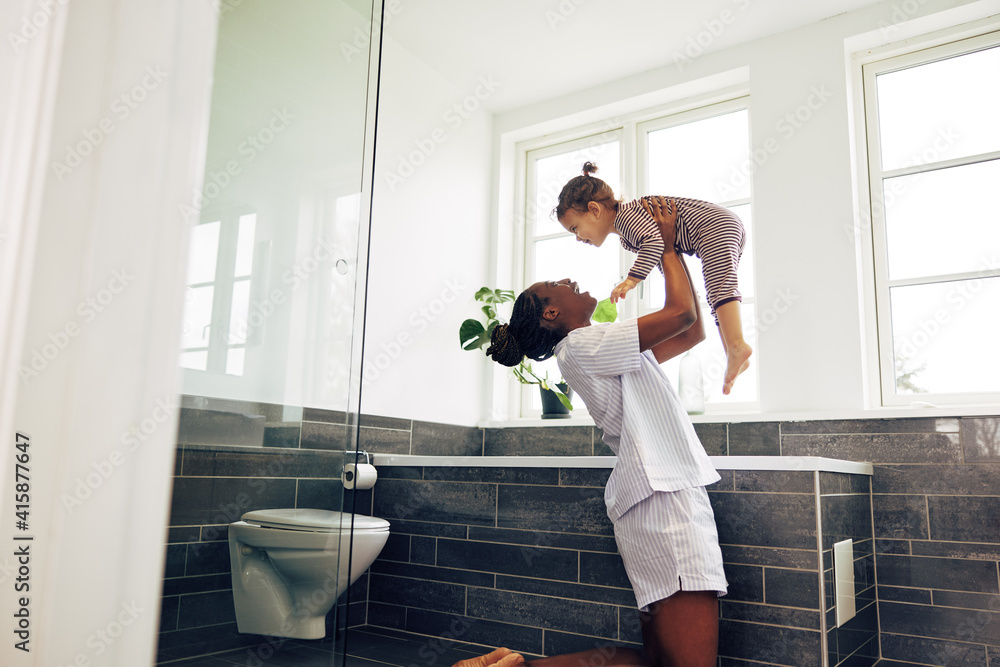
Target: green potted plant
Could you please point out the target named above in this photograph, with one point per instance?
(474, 335)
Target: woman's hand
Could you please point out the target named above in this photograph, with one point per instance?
(664, 211)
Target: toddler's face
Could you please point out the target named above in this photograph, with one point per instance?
(588, 226)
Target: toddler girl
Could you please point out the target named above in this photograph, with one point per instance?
(588, 209)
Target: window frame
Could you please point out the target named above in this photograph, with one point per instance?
(882, 371)
(224, 282)
(630, 130)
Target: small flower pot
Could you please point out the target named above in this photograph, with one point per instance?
(552, 407)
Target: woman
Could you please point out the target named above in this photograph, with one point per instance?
(656, 498)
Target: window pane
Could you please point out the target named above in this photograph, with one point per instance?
(240, 310)
(552, 173)
(234, 360)
(197, 361)
(197, 316)
(713, 362)
(944, 335)
(943, 221)
(707, 159)
(203, 253)
(244, 244)
(940, 111)
(595, 269)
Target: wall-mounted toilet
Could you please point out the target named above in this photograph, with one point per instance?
(285, 566)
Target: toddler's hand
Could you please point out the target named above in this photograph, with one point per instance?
(619, 292)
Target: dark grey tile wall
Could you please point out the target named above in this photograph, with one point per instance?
(526, 558)
(936, 522)
(936, 548)
(846, 507)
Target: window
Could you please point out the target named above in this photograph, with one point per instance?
(217, 300)
(701, 154)
(934, 165)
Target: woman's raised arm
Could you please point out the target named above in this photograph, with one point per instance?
(662, 331)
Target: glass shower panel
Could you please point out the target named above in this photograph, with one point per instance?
(271, 335)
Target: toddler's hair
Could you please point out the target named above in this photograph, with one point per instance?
(584, 189)
(524, 336)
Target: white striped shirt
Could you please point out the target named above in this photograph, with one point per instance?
(633, 402)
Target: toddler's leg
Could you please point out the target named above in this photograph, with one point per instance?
(720, 254)
(738, 351)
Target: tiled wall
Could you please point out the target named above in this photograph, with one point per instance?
(846, 513)
(936, 506)
(525, 557)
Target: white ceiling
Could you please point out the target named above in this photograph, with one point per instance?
(542, 49)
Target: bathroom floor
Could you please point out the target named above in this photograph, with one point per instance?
(366, 647)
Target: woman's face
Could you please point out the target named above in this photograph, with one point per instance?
(565, 306)
(591, 226)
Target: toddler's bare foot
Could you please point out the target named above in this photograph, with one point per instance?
(738, 361)
(501, 657)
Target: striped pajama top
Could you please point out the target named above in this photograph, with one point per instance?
(632, 401)
(712, 232)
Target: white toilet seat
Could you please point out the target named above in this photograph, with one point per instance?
(315, 521)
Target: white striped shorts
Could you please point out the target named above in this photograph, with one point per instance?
(669, 543)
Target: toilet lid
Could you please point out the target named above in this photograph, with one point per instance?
(318, 521)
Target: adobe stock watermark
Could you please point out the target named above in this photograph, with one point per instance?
(164, 412)
(40, 356)
(259, 311)
(453, 117)
(591, 151)
(570, 516)
(767, 317)
(121, 108)
(944, 140)
(225, 7)
(217, 180)
(229, 512)
(362, 37)
(901, 12)
(33, 24)
(420, 320)
(957, 298)
(562, 12)
(105, 636)
(712, 29)
(786, 127)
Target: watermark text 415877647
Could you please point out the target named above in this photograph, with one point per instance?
(22, 541)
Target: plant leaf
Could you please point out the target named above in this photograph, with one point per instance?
(564, 399)
(605, 311)
(472, 335)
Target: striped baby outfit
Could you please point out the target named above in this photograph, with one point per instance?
(712, 232)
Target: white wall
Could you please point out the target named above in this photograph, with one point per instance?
(429, 242)
(805, 186)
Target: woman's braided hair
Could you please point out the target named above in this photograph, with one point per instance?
(584, 189)
(525, 335)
